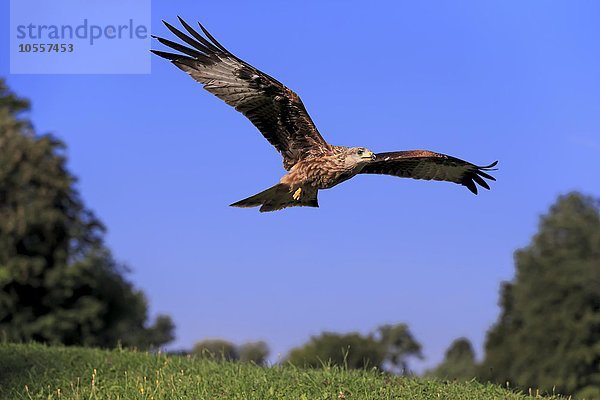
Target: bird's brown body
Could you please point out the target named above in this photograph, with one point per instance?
(311, 162)
(323, 172)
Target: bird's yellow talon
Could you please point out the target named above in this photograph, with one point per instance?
(297, 194)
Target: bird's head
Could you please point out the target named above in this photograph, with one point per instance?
(360, 155)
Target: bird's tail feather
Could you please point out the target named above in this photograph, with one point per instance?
(279, 197)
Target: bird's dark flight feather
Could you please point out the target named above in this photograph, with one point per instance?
(274, 109)
(423, 164)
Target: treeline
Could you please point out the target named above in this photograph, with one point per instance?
(547, 337)
(548, 334)
(59, 283)
(388, 348)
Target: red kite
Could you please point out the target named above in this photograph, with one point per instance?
(279, 114)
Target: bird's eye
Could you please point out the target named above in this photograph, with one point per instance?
(360, 152)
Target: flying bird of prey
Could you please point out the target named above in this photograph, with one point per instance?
(279, 114)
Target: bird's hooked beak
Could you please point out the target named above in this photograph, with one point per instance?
(368, 155)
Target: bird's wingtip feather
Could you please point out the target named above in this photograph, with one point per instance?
(490, 167)
(470, 185)
(182, 21)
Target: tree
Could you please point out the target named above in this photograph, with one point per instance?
(548, 333)
(58, 282)
(459, 362)
(398, 344)
(223, 350)
(254, 352)
(159, 333)
(351, 350)
(388, 347)
(216, 349)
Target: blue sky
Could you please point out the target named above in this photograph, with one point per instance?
(159, 160)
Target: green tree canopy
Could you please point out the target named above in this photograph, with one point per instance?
(389, 347)
(548, 333)
(255, 352)
(352, 350)
(398, 345)
(58, 282)
(459, 362)
(217, 349)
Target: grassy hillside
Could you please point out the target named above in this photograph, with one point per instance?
(40, 372)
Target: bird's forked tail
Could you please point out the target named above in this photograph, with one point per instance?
(279, 197)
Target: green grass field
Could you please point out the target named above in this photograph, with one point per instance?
(40, 372)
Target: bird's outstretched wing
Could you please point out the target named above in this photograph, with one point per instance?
(274, 109)
(423, 164)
